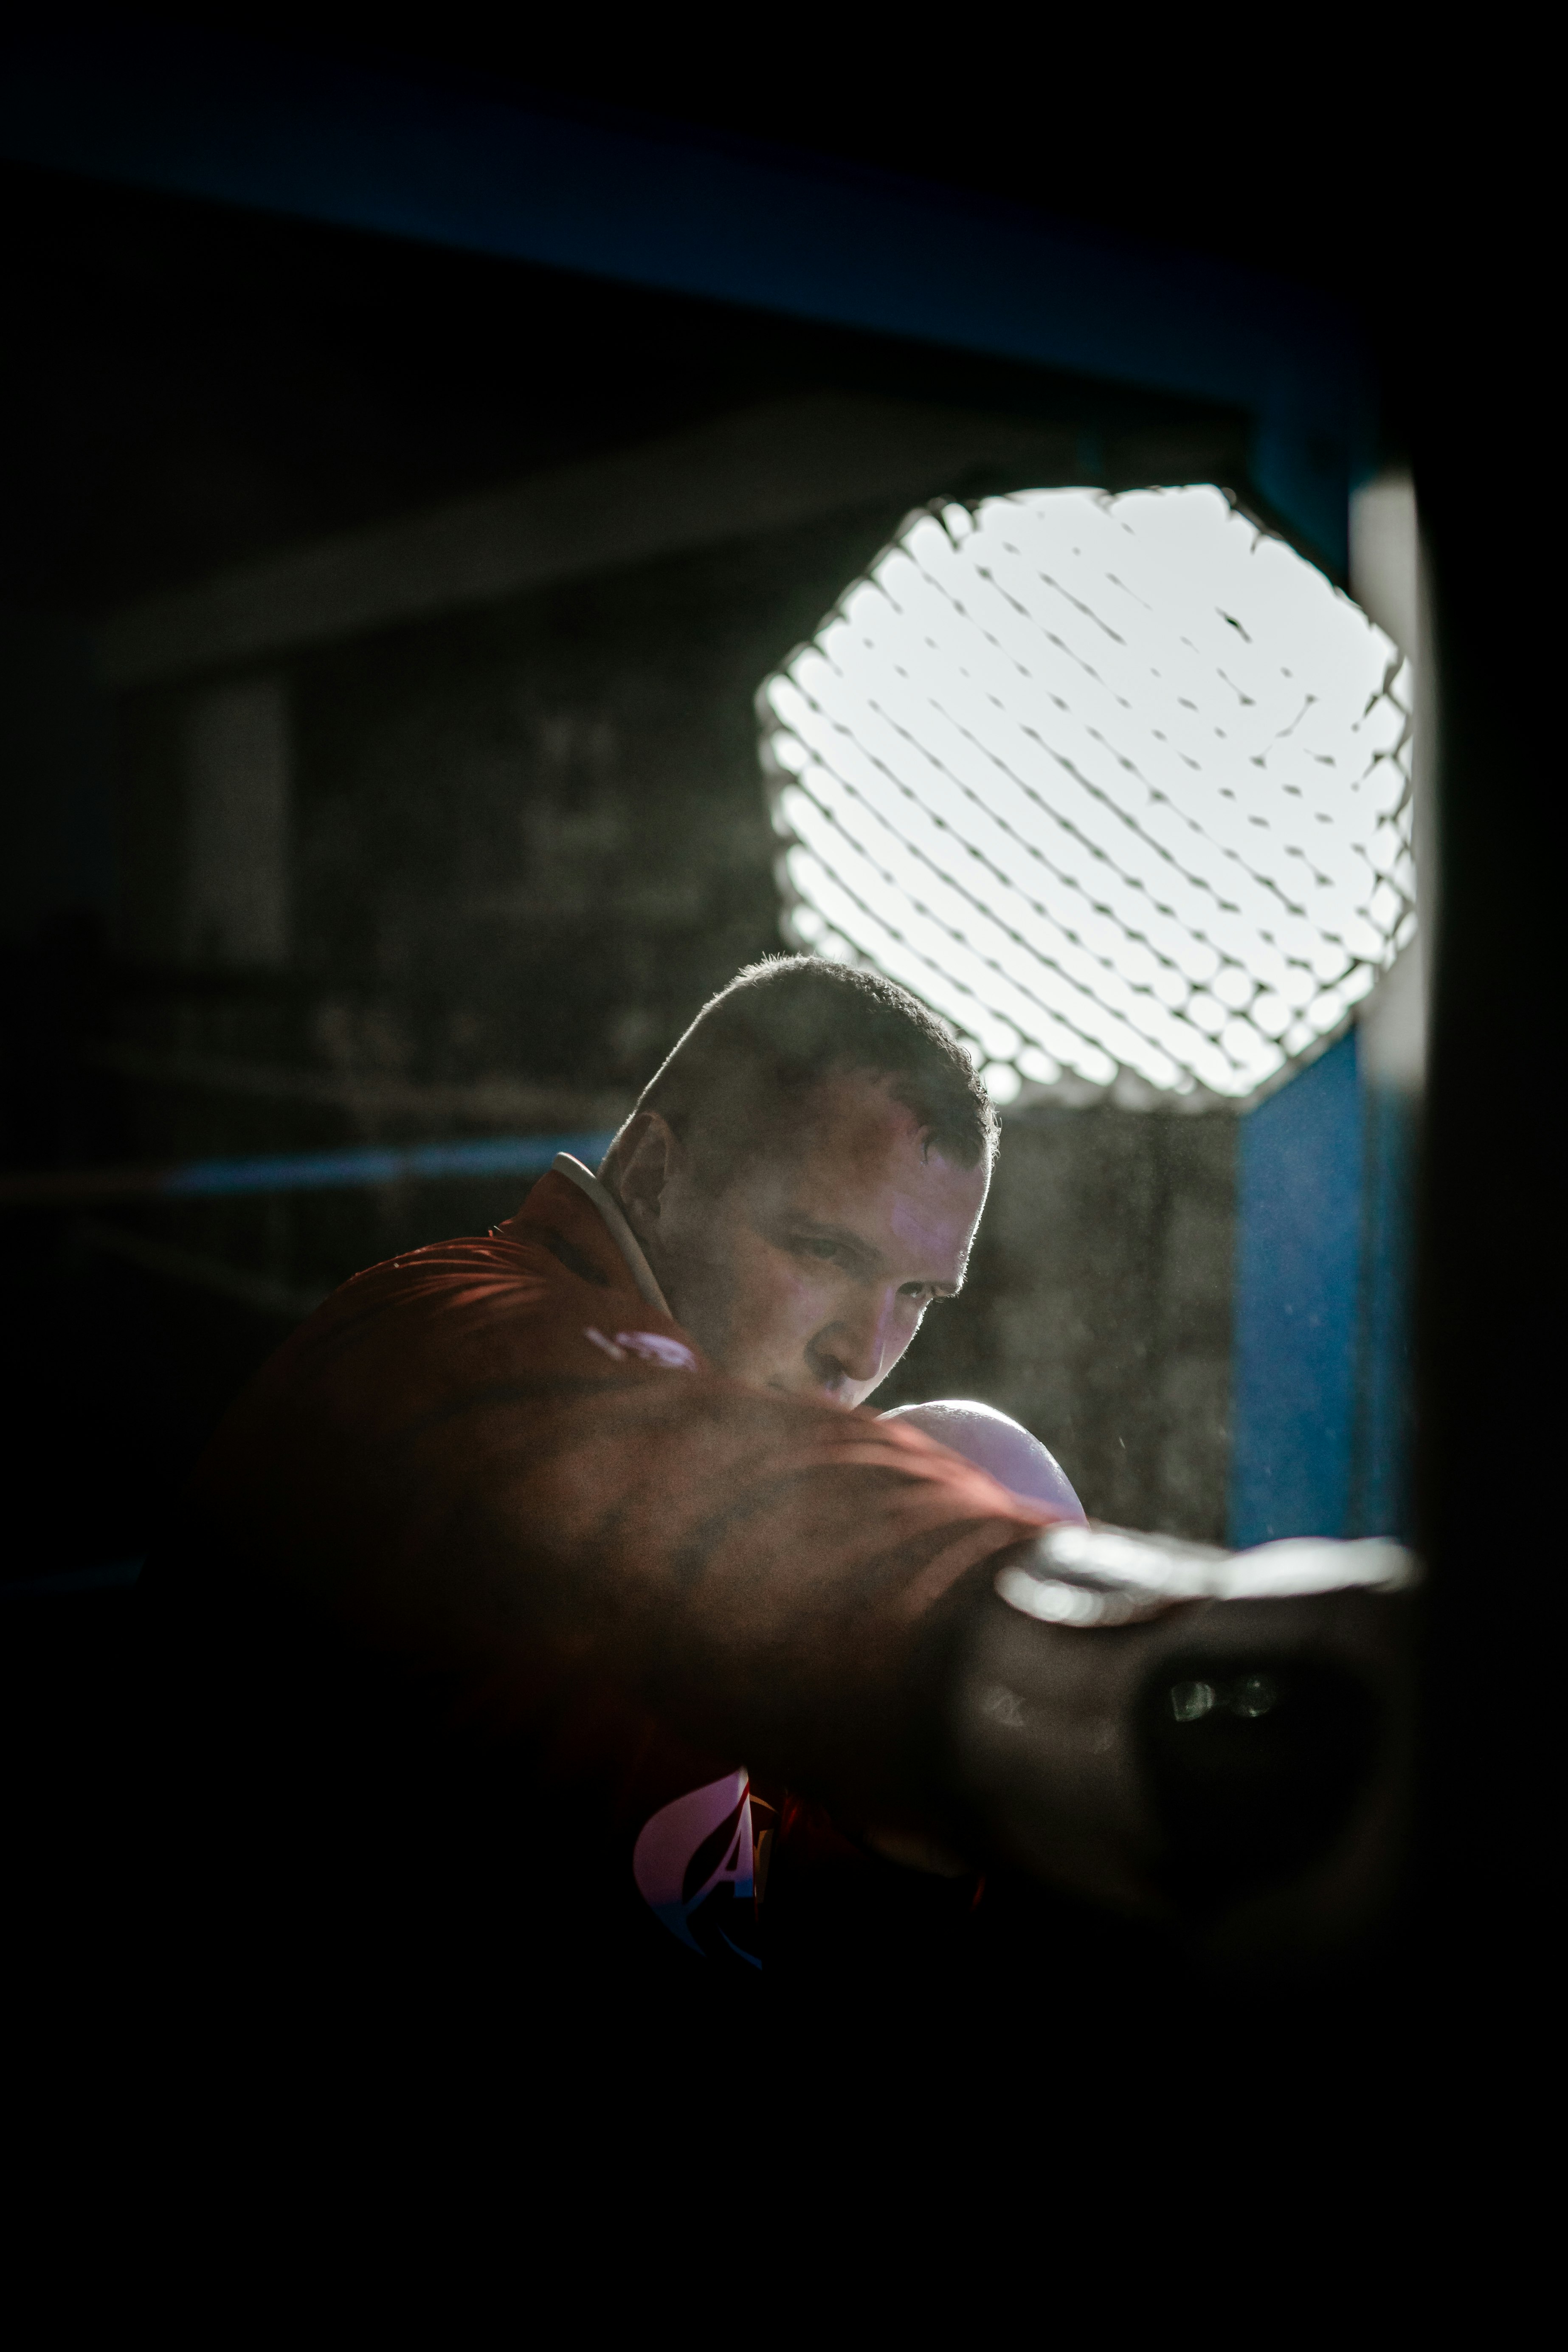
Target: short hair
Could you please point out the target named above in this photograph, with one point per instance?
(746, 1068)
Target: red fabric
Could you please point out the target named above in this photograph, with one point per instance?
(593, 1551)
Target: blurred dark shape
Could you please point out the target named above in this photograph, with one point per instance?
(1259, 1783)
(1221, 1740)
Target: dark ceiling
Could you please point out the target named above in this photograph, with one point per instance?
(200, 383)
(1301, 164)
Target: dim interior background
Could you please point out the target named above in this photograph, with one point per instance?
(383, 632)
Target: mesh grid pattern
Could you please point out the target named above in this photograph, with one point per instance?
(1120, 785)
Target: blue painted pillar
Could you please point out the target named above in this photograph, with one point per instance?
(1381, 1498)
(1320, 1404)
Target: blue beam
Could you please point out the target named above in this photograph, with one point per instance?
(1297, 1298)
(1382, 1502)
(356, 1166)
(241, 122)
(1321, 1399)
(351, 1167)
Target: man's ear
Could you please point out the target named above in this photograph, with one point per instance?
(643, 1158)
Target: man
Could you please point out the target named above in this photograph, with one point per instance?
(550, 1580)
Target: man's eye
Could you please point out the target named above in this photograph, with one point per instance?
(813, 1248)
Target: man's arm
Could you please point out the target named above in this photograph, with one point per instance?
(451, 1464)
(471, 1464)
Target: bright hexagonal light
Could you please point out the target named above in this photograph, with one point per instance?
(1119, 784)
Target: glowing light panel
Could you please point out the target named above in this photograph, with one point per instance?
(1118, 784)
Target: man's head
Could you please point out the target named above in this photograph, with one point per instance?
(806, 1174)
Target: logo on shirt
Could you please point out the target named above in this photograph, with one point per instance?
(692, 1865)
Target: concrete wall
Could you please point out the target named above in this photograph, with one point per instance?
(525, 842)
(1098, 1308)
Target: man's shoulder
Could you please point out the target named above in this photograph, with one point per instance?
(545, 1293)
(552, 1246)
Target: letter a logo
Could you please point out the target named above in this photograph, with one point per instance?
(695, 1857)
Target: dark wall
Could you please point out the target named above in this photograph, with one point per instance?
(525, 841)
(614, 861)
(194, 385)
(528, 842)
(1099, 1305)
(55, 770)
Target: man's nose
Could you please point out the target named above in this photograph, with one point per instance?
(854, 1345)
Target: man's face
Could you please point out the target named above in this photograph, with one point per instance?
(809, 1272)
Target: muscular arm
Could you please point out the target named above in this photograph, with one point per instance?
(444, 1464)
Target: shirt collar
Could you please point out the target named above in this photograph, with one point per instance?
(621, 1234)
